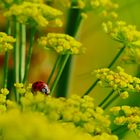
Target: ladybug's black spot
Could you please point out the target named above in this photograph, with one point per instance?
(34, 86)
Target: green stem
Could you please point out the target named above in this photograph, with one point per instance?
(16, 56)
(118, 129)
(5, 80)
(106, 98)
(91, 87)
(59, 73)
(73, 22)
(109, 66)
(73, 25)
(6, 58)
(54, 68)
(27, 66)
(116, 57)
(112, 100)
(138, 71)
(22, 52)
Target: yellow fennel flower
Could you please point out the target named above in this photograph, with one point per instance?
(4, 91)
(61, 43)
(105, 7)
(32, 125)
(127, 116)
(123, 33)
(34, 14)
(6, 4)
(6, 42)
(120, 81)
(81, 112)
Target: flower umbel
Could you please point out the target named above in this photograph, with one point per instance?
(6, 42)
(61, 43)
(127, 116)
(38, 126)
(120, 81)
(35, 14)
(78, 111)
(6, 4)
(3, 93)
(132, 56)
(123, 33)
(105, 7)
(22, 89)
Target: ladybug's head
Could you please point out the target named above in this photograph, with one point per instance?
(45, 90)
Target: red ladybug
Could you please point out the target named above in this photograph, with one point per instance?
(41, 86)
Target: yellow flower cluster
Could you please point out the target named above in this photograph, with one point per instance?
(126, 115)
(6, 42)
(21, 88)
(61, 43)
(3, 93)
(120, 81)
(32, 125)
(81, 112)
(131, 56)
(8, 3)
(105, 7)
(35, 14)
(45, 117)
(123, 33)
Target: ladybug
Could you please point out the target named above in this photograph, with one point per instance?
(41, 86)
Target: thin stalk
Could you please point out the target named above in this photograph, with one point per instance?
(72, 28)
(138, 71)
(116, 57)
(106, 98)
(27, 66)
(120, 131)
(114, 131)
(112, 100)
(54, 68)
(59, 73)
(6, 58)
(22, 52)
(91, 88)
(109, 66)
(16, 56)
